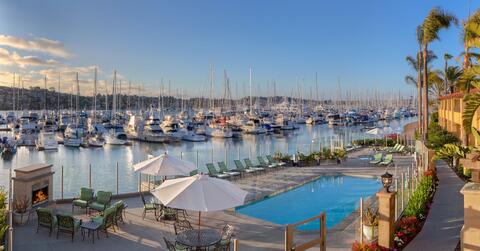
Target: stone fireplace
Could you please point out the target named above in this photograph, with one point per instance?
(35, 182)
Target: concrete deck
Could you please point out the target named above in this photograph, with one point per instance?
(253, 234)
(445, 219)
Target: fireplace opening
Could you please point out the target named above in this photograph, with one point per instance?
(39, 195)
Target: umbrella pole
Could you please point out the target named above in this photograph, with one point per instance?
(199, 215)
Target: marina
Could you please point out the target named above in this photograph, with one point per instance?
(80, 163)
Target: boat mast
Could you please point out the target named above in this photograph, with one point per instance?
(95, 97)
(45, 94)
(250, 83)
(58, 94)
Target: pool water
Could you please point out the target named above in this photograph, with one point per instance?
(338, 196)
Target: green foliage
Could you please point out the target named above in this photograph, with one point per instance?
(451, 153)
(418, 202)
(374, 142)
(437, 136)
(3, 214)
(282, 157)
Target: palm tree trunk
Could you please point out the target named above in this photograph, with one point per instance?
(419, 94)
(425, 92)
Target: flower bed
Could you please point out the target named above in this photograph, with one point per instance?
(413, 218)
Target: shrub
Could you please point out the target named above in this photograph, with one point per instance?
(437, 136)
(406, 230)
(374, 142)
(419, 199)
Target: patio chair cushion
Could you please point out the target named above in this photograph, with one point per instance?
(80, 203)
(86, 194)
(103, 200)
(67, 222)
(150, 206)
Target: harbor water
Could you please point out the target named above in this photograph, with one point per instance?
(98, 166)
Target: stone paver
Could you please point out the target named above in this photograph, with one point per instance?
(445, 219)
(253, 234)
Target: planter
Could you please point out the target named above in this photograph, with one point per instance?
(20, 218)
(370, 232)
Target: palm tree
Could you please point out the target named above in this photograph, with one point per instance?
(436, 20)
(471, 38)
(446, 57)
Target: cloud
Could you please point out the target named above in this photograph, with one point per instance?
(52, 47)
(7, 58)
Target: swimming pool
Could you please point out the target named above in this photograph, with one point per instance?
(338, 196)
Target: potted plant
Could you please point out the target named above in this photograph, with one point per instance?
(20, 210)
(370, 223)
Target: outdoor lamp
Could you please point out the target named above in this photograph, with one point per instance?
(387, 180)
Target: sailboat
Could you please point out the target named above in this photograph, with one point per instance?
(116, 135)
(73, 135)
(96, 138)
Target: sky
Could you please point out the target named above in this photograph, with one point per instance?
(360, 44)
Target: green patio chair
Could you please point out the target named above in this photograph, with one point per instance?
(263, 163)
(388, 149)
(149, 207)
(46, 219)
(101, 202)
(377, 158)
(119, 211)
(174, 247)
(226, 237)
(214, 173)
(272, 161)
(400, 149)
(86, 197)
(250, 165)
(387, 160)
(107, 220)
(241, 168)
(67, 224)
(224, 169)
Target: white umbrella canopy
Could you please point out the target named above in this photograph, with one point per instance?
(375, 131)
(200, 193)
(165, 165)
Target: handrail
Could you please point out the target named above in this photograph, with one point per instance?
(320, 241)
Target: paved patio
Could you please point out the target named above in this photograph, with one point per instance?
(253, 234)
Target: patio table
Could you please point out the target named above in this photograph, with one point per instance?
(199, 239)
(91, 227)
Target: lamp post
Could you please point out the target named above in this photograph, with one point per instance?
(387, 180)
(386, 209)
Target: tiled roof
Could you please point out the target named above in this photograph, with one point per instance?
(457, 94)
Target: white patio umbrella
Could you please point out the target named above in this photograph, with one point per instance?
(375, 131)
(165, 165)
(199, 193)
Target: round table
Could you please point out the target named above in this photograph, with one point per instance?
(198, 238)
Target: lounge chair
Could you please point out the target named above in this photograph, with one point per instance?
(67, 224)
(387, 160)
(224, 169)
(46, 219)
(86, 197)
(107, 220)
(214, 173)
(377, 158)
(148, 207)
(399, 150)
(264, 163)
(241, 168)
(101, 202)
(388, 149)
(249, 165)
(272, 161)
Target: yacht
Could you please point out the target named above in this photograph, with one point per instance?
(47, 140)
(148, 131)
(190, 135)
(73, 136)
(8, 146)
(64, 121)
(26, 131)
(253, 126)
(171, 128)
(116, 136)
(96, 140)
(285, 124)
